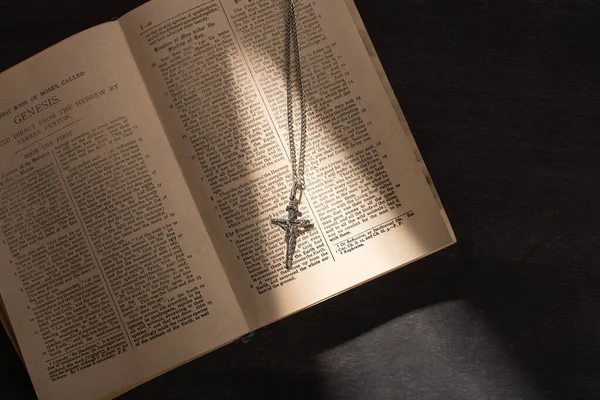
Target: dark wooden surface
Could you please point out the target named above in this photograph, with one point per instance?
(504, 101)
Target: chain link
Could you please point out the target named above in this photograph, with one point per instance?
(295, 71)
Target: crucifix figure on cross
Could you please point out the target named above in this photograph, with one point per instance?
(292, 226)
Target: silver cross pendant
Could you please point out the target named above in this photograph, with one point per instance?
(292, 226)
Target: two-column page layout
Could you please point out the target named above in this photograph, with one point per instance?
(142, 160)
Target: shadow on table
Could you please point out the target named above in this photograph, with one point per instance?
(282, 360)
(547, 317)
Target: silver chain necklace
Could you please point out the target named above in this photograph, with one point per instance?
(293, 226)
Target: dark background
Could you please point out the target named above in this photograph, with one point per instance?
(503, 98)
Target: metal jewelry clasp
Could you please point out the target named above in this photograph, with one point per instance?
(296, 193)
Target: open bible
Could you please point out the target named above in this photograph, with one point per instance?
(142, 160)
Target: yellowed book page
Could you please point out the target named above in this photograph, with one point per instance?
(216, 72)
(394, 101)
(108, 274)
